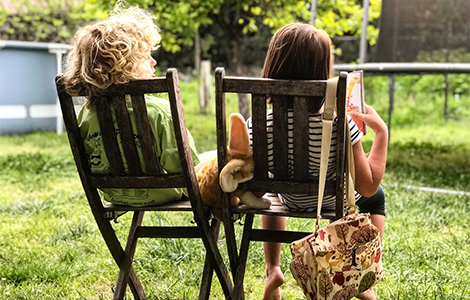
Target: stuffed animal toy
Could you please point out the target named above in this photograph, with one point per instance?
(239, 168)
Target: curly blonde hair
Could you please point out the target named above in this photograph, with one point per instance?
(111, 52)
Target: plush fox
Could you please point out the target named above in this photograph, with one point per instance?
(239, 168)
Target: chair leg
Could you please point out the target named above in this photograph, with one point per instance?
(208, 272)
(126, 262)
(205, 290)
(114, 245)
(210, 243)
(136, 286)
(230, 236)
(238, 292)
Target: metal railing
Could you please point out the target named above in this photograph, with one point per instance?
(393, 69)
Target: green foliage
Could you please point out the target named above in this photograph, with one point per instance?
(340, 18)
(419, 99)
(45, 21)
(177, 19)
(458, 55)
(240, 20)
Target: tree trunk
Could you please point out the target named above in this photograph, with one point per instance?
(203, 102)
(205, 87)
(242, 98)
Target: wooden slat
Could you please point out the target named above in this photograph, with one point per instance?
(259, 135)
(179, 232)
(341, 158)
(73, 132)
(108, 135)
(141, 86)
(184, 150)
(181, 135)
(126, 264)
(221, 123)
(282, 211)
(221, 126)
(187, 165)
(181, 205)
(171, 180)
(277, 236)
(144, 131)
(280, 138)
(127, 135)
(242, 259)
(287, 186)
(206, 281)
(301, 141)
(274, 86)
(278, 209)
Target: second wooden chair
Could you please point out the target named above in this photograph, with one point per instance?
(290, 97)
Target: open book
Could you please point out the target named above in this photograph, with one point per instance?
(355, 96)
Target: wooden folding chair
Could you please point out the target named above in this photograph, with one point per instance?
(114, 98)
(282, 92)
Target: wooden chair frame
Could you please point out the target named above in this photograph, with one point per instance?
(134, 177)
(260, 89)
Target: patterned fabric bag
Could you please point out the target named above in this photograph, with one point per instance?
(341, 261)
(344, 258)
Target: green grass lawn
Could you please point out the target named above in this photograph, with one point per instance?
(50, 247)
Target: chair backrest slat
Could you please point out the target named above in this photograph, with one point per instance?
(280, 138)
(259, 134)
(73, 132)
(108, 135)
(301, 139)
(221, 121)
(145, 135)
(182, 140)
(266, 86)
(341, 127)
(126, 134)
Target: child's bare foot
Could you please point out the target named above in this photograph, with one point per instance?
(367, 295)
(274, 280)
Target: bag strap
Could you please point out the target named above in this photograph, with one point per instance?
(328, 115)
(350, 171)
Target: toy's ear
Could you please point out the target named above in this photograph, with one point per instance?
(239, 142)
(227, 179)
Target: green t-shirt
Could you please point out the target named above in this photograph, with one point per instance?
(165, 145)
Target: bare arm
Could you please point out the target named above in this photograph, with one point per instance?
(369, 171)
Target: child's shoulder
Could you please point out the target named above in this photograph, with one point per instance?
(157, 101)
(159, 104)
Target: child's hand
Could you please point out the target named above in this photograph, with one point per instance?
(371, 119)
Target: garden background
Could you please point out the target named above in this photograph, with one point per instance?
(50, 247)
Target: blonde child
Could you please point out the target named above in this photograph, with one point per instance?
(114, 52)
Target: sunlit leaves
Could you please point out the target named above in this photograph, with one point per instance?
(256, 10)
(48, 20)
(57, 20)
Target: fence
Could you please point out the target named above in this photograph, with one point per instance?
(393, 69)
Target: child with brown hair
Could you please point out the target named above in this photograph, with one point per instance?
(300, 51)
(114, 52)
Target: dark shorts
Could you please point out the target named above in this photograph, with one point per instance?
(374, 205)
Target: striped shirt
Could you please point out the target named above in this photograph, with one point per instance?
(301, 202)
